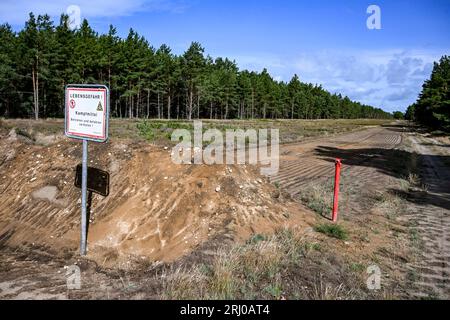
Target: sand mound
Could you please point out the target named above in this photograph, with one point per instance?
(156, 209)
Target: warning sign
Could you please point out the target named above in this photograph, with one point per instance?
(87, 113)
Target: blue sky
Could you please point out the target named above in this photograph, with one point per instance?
(325, 42)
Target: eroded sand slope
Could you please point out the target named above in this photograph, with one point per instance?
(155, 209)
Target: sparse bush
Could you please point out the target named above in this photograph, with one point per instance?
(332, 230)
(389, 204)
(257, 238)
(275, 290)
(357, 267)
(154, 129)
(25, 133)
(146, 130)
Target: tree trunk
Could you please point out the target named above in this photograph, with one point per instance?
(239, 109)
(178, 107)
(168, 106)
(34, 93)
(210, 110)
(35, 77)
(37, 88)
(191, 98)
(6, 109)
(292, 110)
(148, 103)
(198, 106)
(159, 110)
(253, 102)
(161, 105)
(109, 74)
(126, 107)
(226, 109)
(130, 107)
(137, 104)
(44, 100)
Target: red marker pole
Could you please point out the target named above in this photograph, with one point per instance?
(337, 176)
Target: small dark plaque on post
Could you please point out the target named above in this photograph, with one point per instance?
(98, 180)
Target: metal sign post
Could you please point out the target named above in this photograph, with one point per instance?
(83, 198)
(86, 118)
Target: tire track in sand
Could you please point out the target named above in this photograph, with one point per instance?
(307, 167)
(431, 214)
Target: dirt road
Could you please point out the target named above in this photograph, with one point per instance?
(303, 163)
(368, 158)
(430, 210)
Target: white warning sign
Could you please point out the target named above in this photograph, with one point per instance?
(87, 112)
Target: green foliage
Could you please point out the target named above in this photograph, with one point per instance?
(147, 130)
(332, 230)
(398, 115)
(24, 133)
(357, 267)
(146, 82)
(410, 113)
(433, 106)
(257, 238)
(275, 290)
(151, 129)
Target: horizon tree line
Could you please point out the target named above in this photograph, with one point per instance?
(146, 82)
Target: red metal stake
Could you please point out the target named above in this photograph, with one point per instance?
(336, 189)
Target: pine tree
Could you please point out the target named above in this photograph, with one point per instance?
(8, 72)
(41, 59)
(433, 106)
(193, 65)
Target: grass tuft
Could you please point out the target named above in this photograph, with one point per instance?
(318, 197)
(25, 133)
(332, 230)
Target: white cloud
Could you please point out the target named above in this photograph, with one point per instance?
(391, 79)
(15, 12)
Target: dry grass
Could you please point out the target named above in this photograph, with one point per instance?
(232, 272)
(159, 130)
(389, 204)
(183, 284)
(327, 291)
(263, 268)
(318, 197)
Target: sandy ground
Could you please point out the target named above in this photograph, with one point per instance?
(156, 210)
(159, 212)
(431, 213)
(428, 207)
